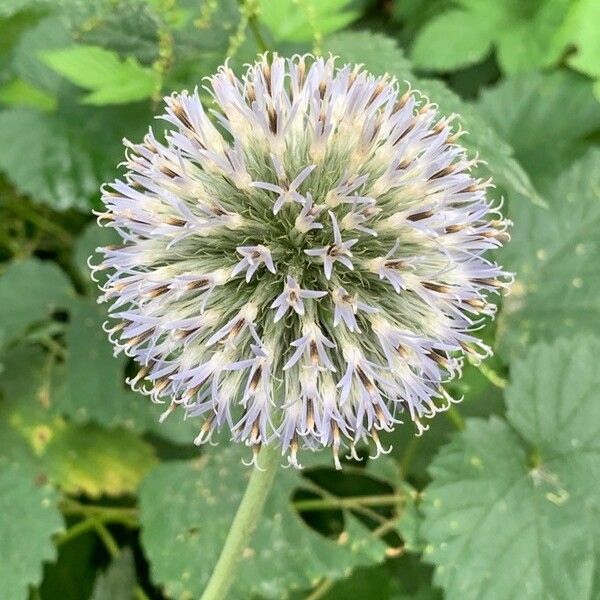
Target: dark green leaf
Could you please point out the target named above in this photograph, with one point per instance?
(28, 520)
(29, 292)
(545, 118)
(510, 512)
(554, 252)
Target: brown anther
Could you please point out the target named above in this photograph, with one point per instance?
(394, 264)
(310, 417)
(250, 93)
(301, 69)
(176, 222)
(420, 215)
(402, 351)
(366, 381)
(443, 172)
(322, 89)
(475, 303)
(165, 170)
(439, 356)
(161, 384)
(217, 210)
(150, 145)
(314, 353)
(272, 119)
(180, 113)
(194, 285)
(436, 287)
(266, 71)
(138, 339)
(454, 228)
(255, 378)
(159, 291)
(489, 281)
(183, 333)
(380, 416)
(255, 434)
(236, 328)
(333, 250)
(143, 373)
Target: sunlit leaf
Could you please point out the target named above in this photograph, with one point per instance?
(521, 32)
(109, 79)
(83, 459)
(300, 21)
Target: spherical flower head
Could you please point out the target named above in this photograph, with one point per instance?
(305, 266)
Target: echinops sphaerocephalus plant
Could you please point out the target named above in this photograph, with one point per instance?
(303, 264)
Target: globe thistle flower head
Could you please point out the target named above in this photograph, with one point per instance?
(303, 264)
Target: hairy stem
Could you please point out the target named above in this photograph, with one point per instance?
(243, 523)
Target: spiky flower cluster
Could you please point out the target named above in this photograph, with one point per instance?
(306, 267)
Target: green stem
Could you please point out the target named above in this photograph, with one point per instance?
(455, 418)
(243, 523)
(352, 502)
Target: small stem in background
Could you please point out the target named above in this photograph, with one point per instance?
(455, 418)
(243, 524)
(250, 9)
(409, 454)
(492, 376)
(310, 505)
(321, 589)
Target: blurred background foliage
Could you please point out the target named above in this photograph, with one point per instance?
(499, 499)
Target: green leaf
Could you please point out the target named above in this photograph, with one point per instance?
(28, 520)
(118, 581)
(302, 20)
(452, 40)
(29, 292)
(554, 253)
(512, 512)
(129, 27)
(21, 93)
(187, 507)
(96, 389)
(379, 54)
(48, 34)
(534, 114)
(110, 80)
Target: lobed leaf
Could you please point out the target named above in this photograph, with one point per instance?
(554, 253)
(109, 79)
(187, 507)
(512, 512)
(28, 520)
